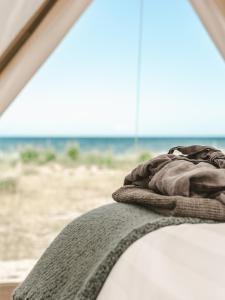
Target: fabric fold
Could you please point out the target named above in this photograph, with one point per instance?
(77, 263)
(177, 206)
(193, 181)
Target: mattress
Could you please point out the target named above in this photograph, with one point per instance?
(175, 262)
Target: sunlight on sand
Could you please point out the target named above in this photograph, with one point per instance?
(37, 201)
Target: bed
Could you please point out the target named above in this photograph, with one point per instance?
(174, 262)
(121, 251)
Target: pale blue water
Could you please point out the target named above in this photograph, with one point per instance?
(116, 144)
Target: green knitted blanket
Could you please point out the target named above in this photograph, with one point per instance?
(79, 260)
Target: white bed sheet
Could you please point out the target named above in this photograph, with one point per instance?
(175, 262)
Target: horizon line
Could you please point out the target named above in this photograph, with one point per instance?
(115, 136)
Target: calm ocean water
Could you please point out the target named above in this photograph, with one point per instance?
(116, 144)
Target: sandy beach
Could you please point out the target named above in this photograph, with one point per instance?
(37, 201)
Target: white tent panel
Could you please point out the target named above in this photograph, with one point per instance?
(212, 15)
(14, 16)
(38, 45)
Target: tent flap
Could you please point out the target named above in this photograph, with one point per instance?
(212, 15)
(30, 31)
(16, 31)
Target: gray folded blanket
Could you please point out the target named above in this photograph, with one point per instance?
(77, 263)
(192, 184)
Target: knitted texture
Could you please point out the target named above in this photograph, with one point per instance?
(201, 173)
(76, 264)
(194, 207)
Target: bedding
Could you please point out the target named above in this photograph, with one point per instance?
(179, 206)
(187, 185)
(199, 173)
(185, 262)
(77, 263)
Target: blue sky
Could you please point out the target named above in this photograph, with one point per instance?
(88, 85)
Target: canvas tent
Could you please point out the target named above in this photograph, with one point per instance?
(212, 15)
(30, 30)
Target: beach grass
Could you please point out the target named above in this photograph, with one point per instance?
(73, 152)
(72, 155)
(42, 190)
(8, 185)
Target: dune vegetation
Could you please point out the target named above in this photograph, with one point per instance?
(73, 156)
(42, 190)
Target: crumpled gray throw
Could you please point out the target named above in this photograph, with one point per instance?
(77, 263)
(191, 184)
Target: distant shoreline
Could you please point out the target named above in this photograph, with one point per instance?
(115, 144)
(108, 137)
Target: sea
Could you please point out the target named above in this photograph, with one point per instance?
(114, 144)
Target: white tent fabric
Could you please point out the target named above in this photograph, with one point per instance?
(30, 30)
(212, 15)
(14, 16)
